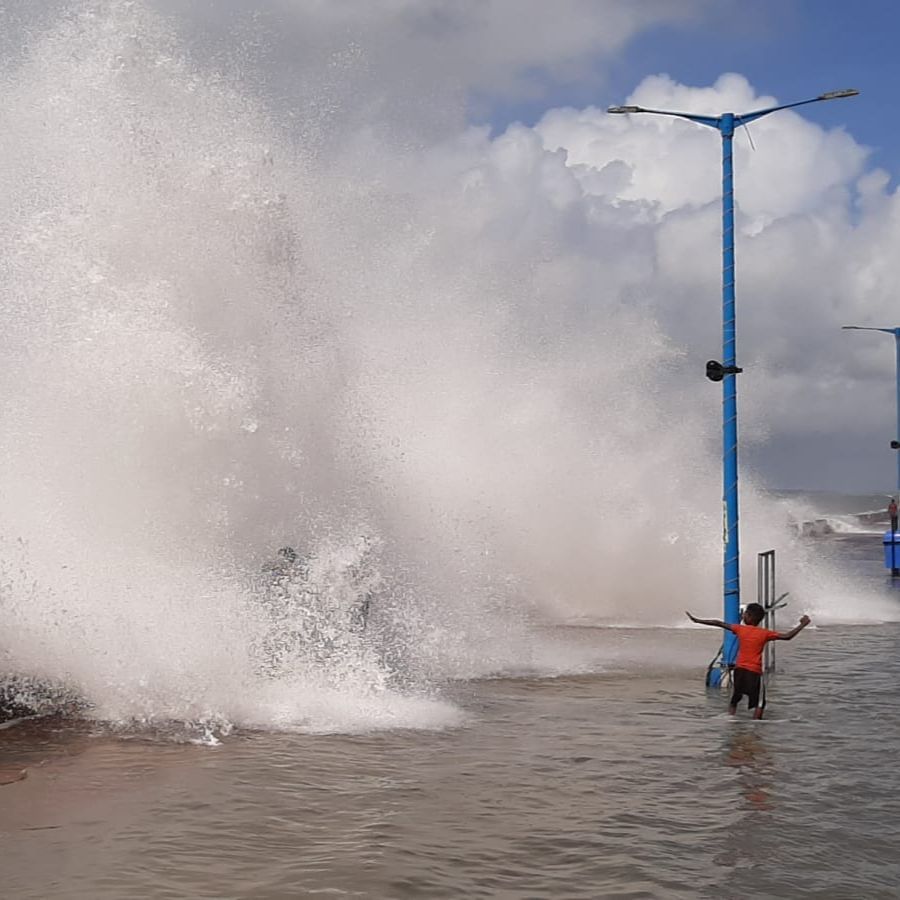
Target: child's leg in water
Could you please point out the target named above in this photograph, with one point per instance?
(760, 698)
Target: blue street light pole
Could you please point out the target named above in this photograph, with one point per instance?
(727, 369)
(896, 333)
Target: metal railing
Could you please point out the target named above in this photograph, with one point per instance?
(718, 674)
(769, 601)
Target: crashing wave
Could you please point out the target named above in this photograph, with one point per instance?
(873, 522)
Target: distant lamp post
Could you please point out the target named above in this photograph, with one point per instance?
(728, 368)
(891, 553)
(895, 442)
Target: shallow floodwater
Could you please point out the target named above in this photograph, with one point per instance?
(629, 785)
(633, 783)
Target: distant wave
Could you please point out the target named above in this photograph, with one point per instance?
(871, 522)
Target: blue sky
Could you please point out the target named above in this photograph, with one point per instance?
(792, 49)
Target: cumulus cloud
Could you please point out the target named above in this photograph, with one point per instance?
(674, 164)
(814, 232)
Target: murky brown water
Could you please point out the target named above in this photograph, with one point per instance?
(629, 785)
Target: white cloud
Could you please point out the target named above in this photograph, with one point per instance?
(813, 246)
(675, 164)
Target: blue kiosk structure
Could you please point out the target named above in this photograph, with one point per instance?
(727, 370)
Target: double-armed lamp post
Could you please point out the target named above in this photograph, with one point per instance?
(726, 370)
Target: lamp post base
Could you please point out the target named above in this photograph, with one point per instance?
(718, 675)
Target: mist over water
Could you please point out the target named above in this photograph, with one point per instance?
(218, 340)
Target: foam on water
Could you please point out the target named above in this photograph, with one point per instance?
(217, 340)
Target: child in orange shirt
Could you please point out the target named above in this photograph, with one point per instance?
(747, 675)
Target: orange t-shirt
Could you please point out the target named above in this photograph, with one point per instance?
(751, 640)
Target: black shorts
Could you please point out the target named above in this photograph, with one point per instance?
(750, 684)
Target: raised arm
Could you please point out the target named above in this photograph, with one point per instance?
(790, 635)
(718, 623)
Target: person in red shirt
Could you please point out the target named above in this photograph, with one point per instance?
(747, 675)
